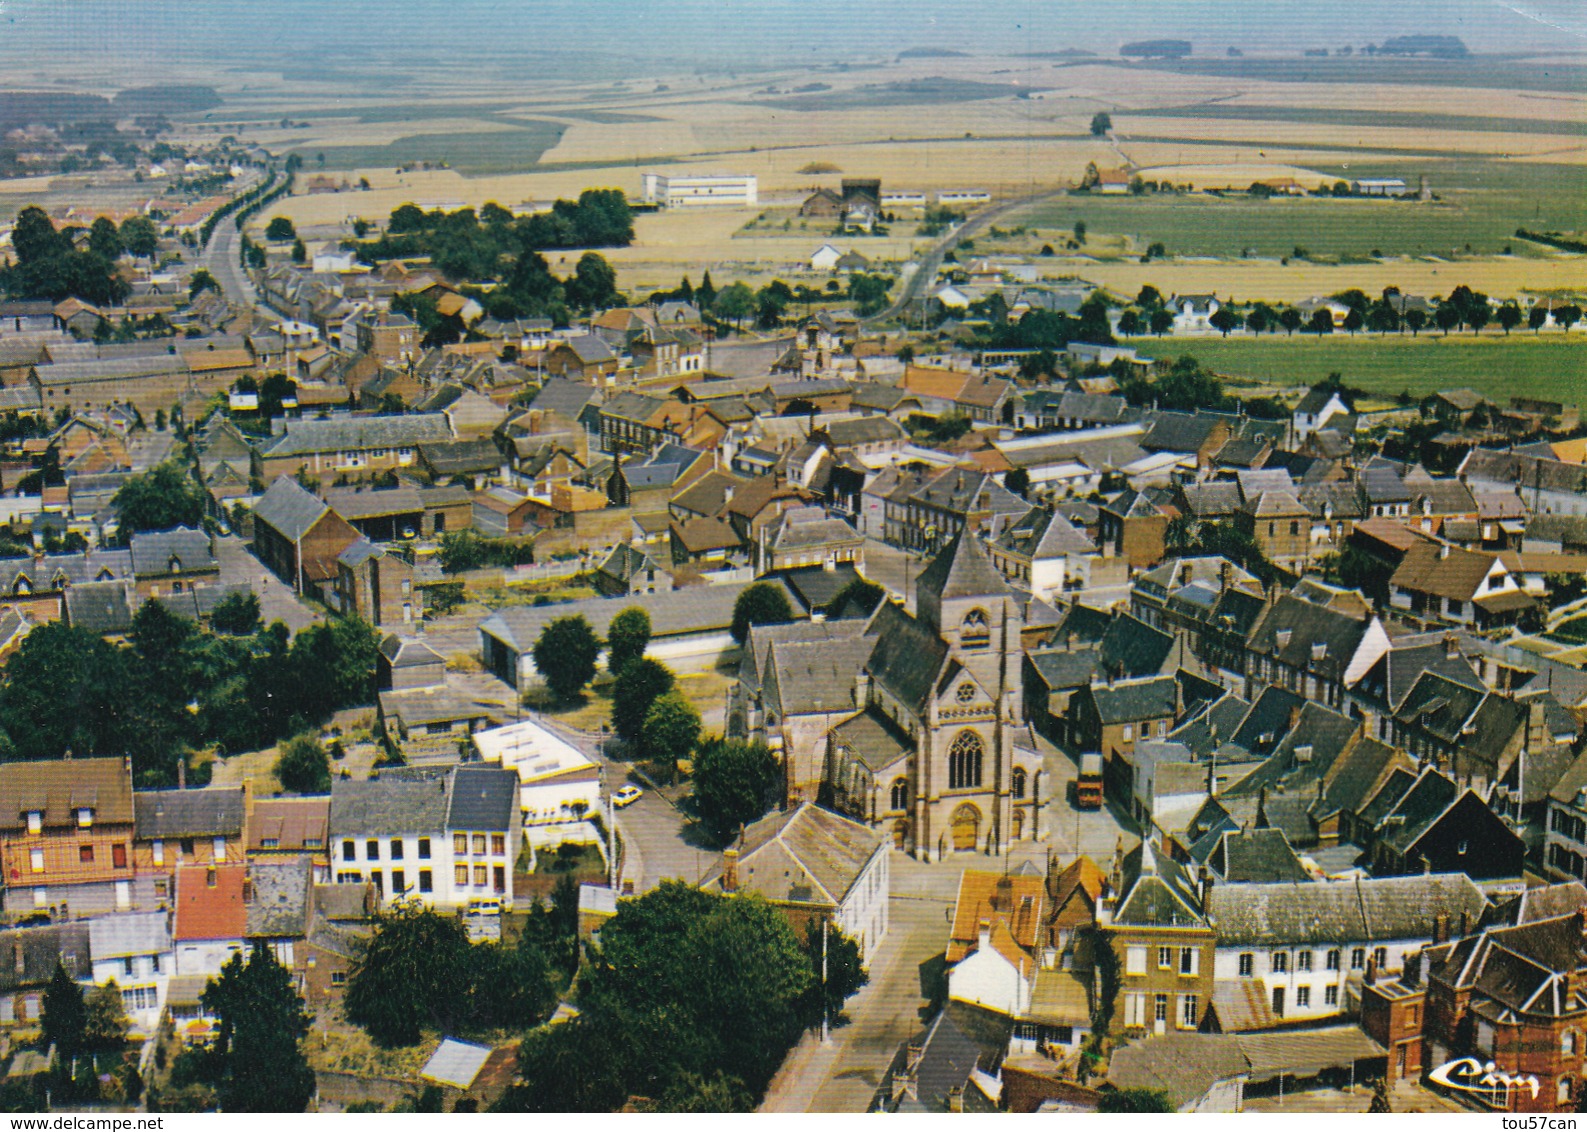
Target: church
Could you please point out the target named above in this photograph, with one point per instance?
(912, 723)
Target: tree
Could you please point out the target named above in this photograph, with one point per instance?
(139, 236)
(1101, 123)
(413, 973)
(637, 687)
(303, 767)
(705, 293)
(104, 239)
(280, 229)
(761, 603)
(35, 239)
(1536, 316)
(1080, 231)
(844, 966)
(300, 254)
(1509, 316)
(672, 724)
(1380, 1096)
(1291, 318)
(163, 497)
(627, 637)
(200, 282)
(237, 614)
(863, 595)
(105, 1023)
(64, 1023)
(1321, 322)
(565, 655)
(1130, 322)
(1447, 316)
(1477, 315)
(594, 283)
(1415, 318)
(1224, 320)
(262, 1021)
(735, 782)
(1017, 480)
(58, 664)
(1259, 319)
(735, 303)
(1568, 315)
(1353, 320)
(1162, 320)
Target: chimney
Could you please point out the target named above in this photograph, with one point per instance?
(1225, 573)
(1441, 928)
(984, 936)
(1451, 646)
(1443, 550)
(1411, 969)
(956, 1098)
(1206, 887)
(1536, 725)
(1465, 923)
(1372, 972)
(730, 870)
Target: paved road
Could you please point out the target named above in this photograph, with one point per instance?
(220, 259)
(928, 265)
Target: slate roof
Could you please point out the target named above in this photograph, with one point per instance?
(1184, 1067)
(1065, 668)
(387, 807)
(1307, 625)
(816, 676)
(1256, 856)
(153, 552)
(1179, 432)
(1041, 533)
(290, 508)
(101, 607)
(1363, 768)
(907, 656)
(961, 569)
(1417, 809)
(355, 434)
(483, 799)
(1130, 701)
(408, 652)
(1157, 892)
(455, 1063)
(124, 934)
(959, 1041)
(28, 956)
(806, 855)
(166, 814)
(873, 738)
(1367, 909)
(278, 904)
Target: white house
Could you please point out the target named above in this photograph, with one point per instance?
(952, 298)
(1042, 552)
(825, 258)
(1193, 313)
(696, 190)
(558, 785)
(1285, 952)
(1315, 410)
(135, 950)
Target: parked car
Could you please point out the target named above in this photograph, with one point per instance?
(627, 796)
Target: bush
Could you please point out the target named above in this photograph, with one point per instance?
(303, 767)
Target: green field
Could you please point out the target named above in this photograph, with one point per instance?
(1549, 366)
(1483, 202)
(474, 154)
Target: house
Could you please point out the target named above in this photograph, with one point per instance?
(816, 867)
(347, 447)
(185, 827)
(1193, 313)
(951, 1065)
(465, 1071)
(558, 786)
(809, 536)
(389, 514)
(1437, 824)
(584, 358)
(1132, 527)
(299, 537)
(1162, 944)
(66, 836)
(1448, 584)
(377, 584)
(134, 950)
(173, 561)
(825, 258)
(1320, 405)
(209, 916)
(1313, 650)
(444, 839)
(28, 958)
(288, 828)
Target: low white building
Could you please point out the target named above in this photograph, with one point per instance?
(134, 950)
(558, 785)
(825, 258)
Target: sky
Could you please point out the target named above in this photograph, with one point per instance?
(652, 35)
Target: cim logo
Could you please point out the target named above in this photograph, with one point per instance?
(1468, 1075)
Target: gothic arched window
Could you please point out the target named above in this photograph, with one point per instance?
(900, 794)
(964, 761)
(975, 632)
(1018, 783)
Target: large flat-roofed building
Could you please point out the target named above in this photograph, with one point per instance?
(741, 189)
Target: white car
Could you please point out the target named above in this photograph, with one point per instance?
(627, 796)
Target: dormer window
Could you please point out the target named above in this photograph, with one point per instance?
(85, 817)
(174, 566)
(1319, 650)
(1283, 637)
(35, 821)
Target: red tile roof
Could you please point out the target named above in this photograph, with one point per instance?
(209, 903)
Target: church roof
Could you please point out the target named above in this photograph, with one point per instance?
(962, 569)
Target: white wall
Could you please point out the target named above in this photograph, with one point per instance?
(863, 916)
(205, 956)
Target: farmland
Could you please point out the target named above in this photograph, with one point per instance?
(1551, 366)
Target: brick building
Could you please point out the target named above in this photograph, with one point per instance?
(66, 834)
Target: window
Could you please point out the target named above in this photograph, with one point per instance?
(1247, 964)
(1567, 1043)
(154, 964)
(159, 852)
(1134, 958)
(118, 856)
(1302, 996)
(209, 878)
(462, 875)
(269, 843)
(1160, 1008)
(126, 966)
(498, 844)
(338, 978)
(1189, 961)
(399, 882)
(965, 693)
(349, 853)
(1135, 1009)
(1017, 783)
(1562, 1094)
(1358, 958)
(35, 821)
(1303, 961)
(85, 854)
(1165, 958)
(371, 850)
(377, 878)
(187, 847)
(975, 631)
(1128, 733)
(220, 848)
(1332, 962)
(424, 848)
(479, 845)
(460, 844)
(1187, 1012)
(964, 761)
(1330, 996)
(85, 817)
(899, 795)
(481, 876)
(1380, 957)
(1278, 962)
(426, 883)
(499, 879)
(396, 849)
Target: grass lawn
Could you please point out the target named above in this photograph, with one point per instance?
(1483, 202)
(1551, 366)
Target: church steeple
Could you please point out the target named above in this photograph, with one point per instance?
(961, 570)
